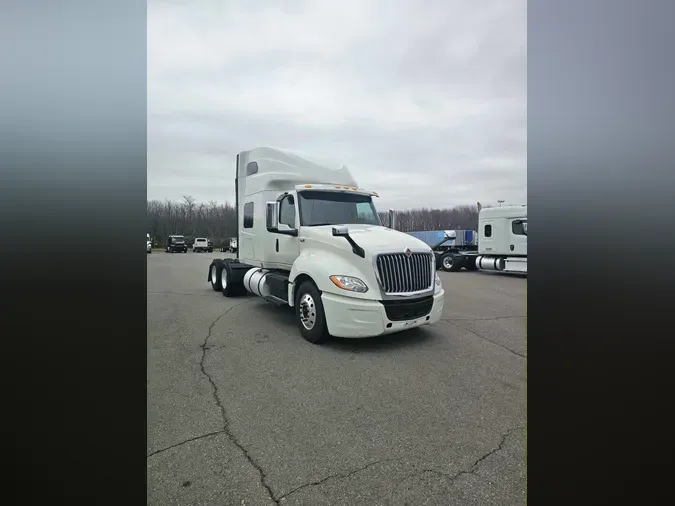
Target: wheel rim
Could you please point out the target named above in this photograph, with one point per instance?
(223, 279)
(307, 311)
(447, 262)
(214, 275)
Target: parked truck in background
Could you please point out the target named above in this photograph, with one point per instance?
(176, 243)
(233, 245)
(500, 244)
(311, 239)
(202, 244)
(450, 246)
(502, 241)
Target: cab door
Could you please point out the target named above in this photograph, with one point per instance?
(286, 246)
(518, 237)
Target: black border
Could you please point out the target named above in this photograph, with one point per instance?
(600, 168)
(72, 202)
(601, 118)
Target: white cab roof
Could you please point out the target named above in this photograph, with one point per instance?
(504, 212)
(281, 169)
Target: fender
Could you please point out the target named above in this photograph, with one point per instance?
(320, 264)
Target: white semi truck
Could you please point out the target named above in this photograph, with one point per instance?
(311, 239)
(233, 245)
(502, 239)
(501, 242)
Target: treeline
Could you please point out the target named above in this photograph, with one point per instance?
(218, 221)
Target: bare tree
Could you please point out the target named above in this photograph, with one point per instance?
(219, 221)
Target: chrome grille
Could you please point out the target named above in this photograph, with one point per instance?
(402, 274)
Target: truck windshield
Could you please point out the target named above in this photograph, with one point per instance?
(336, 208)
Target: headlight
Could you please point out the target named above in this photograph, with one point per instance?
(349, 283)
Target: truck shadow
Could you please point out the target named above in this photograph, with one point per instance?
(400, 340)
(284, 318)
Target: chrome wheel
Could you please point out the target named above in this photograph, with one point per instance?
(448, 262)
(214, 275)
(307, 311)
(223, 279)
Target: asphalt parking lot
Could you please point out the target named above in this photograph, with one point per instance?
(243, 411)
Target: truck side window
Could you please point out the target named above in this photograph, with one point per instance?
(287, 212)
(248, 215)
(488, 231)
(517, 227)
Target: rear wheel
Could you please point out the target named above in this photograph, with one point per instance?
(310, 314)
(229, 288)
(214, 275)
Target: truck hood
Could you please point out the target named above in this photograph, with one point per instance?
(371, 238)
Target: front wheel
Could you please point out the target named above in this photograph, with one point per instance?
(450, 263)
(310, 314)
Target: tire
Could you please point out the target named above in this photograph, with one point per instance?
(228, 287)
(309, 313)
(450, 263)
(214, 275)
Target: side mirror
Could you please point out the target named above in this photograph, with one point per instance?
(341, 231)
(272, 215)
(450, 234)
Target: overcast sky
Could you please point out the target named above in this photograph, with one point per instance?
(424, 100)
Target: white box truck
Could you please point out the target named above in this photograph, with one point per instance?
(311, 239)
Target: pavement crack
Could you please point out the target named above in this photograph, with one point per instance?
(223, 412)
(486, 338)
(196, 438)
(473, 467)
(339, 476)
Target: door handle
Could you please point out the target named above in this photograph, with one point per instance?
(277, 245)
(512, 247)
(302, 239)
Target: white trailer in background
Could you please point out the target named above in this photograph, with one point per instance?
(311, 239)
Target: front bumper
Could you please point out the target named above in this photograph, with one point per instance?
(349, 317)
